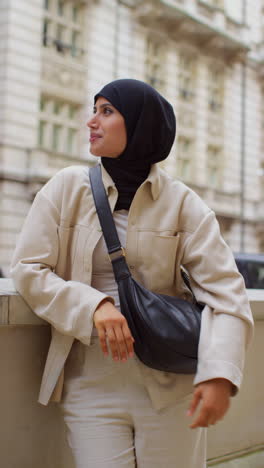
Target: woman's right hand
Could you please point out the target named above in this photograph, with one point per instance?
(113, 331)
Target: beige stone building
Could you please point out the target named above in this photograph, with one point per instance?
(205, 56)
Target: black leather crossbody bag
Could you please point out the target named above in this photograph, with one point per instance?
(166, 329)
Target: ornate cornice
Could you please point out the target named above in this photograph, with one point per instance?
(218, 33)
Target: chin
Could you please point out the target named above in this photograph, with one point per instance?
(94, 152)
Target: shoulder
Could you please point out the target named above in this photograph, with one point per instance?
(66, 185)
(70, 173)
(65, 177)
(175, 185)
(191, 207)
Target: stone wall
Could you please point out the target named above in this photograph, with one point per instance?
(33, 436)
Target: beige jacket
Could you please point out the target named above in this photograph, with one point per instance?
(168, 226)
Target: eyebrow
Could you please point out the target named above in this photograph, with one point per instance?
(105, 104)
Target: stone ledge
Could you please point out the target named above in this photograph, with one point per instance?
(254, 459)
(15, 311)
(13, 308)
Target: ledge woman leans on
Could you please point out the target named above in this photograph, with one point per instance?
(118, 412)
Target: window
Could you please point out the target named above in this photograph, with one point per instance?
(46, 32)
(71, 143)
(41, 133)
(215, 90)
(214, 166)
(184, 149)
(58, 106)
(154, 62)
(58, 125)
(72, 112)
(42, 103)
(215, 103)
(56, 137)
(63, 27)
(60, 34)
(75, 43)
(75, 13)
(60, 7)
(186, 77)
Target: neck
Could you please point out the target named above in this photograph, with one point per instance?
(127, 176)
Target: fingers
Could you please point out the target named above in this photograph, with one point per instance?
(202, 420)
(124, 342)
(205, 418)
(118, 341)
(113, 343)
(214, 398)
(102, 337)
(194, 403)
(129, 340)
(113, 331)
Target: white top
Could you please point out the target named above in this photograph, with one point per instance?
(103, 276)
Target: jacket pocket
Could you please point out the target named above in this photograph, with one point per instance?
(164, 250)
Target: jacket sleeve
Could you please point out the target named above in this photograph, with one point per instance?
(227, 323)
(67, 305)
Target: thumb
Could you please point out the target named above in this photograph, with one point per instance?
(194, 403)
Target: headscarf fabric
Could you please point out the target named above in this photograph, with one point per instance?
(150, 126)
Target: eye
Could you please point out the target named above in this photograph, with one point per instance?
(107, 110)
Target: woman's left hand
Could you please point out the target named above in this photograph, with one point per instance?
(214, 399)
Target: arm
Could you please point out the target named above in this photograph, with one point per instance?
(220, 366)
(226, 325)
(67, 305)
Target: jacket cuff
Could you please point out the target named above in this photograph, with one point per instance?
(217, 369)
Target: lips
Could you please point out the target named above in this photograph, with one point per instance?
(94, 137)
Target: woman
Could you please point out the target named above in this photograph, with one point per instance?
(120, 413)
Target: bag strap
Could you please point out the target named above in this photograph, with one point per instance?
(186, 280)
(115, 250)
(104, 212)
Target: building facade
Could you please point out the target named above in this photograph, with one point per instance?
(205, 56)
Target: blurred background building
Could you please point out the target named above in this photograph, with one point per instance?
(205, 56)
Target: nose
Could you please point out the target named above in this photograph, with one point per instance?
(92, 122)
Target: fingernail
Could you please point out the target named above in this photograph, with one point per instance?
(188, 413)
(131, 354)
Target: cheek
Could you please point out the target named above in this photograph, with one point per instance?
(121, 133)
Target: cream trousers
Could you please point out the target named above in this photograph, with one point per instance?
(111, 422)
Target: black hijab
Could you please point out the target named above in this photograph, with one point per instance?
(151, 128)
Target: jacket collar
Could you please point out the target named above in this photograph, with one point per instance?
(153, 180)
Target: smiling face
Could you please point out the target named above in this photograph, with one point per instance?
(108, 136)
